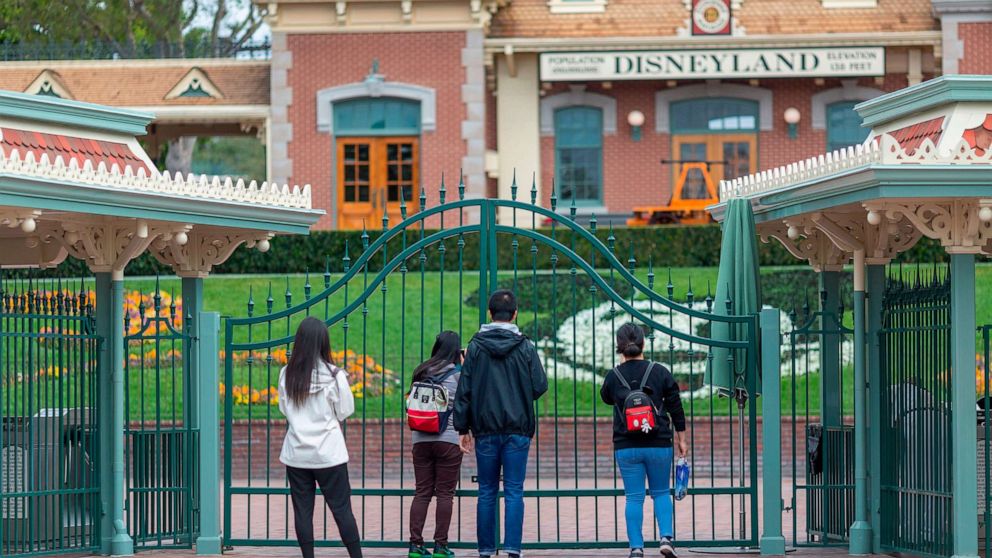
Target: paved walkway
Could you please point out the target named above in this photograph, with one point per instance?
(394, 553)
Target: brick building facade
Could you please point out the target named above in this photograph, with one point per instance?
(484, 98)
(372, 101)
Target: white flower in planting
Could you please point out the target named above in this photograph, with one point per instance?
(583, 349)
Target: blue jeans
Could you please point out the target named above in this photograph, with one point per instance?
(656, 465)
(509, 453)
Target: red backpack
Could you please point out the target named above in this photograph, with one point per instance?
(429, 404)
(640, 412)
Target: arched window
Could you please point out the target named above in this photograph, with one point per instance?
(381, 116)
(579, 155)
(714, 115)
(844, 126)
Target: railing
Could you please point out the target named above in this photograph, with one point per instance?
(98, 50)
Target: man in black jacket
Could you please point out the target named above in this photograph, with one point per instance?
(501, 378)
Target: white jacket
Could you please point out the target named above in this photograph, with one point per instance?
(314, 439)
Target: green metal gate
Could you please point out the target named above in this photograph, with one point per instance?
(916, 499)
(49, 409)
(822, 438)
(385, 302)
(161, 443)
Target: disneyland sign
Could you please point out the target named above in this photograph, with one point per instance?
(713, 64)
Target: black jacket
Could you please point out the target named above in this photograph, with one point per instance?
(663, 391)
(501, 378)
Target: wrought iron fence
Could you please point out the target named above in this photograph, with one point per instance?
(49, 409)
(916, 499)
(822, 440)
(383, 322)
(103, 50)
(161, 443)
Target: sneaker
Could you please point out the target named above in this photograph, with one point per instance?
(418, 551)
(442, 551)
(667, 548)
(636, 553)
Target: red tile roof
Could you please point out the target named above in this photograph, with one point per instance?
(663, 18)
(911, 137)
(69, 147)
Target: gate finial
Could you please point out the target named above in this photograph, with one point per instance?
(513, 186)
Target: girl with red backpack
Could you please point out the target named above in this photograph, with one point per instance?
(437, 448)
(648, 420)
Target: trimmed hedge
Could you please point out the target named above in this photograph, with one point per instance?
(672, 246)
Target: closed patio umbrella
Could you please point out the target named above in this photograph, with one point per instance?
(738, 283)
(738, 292)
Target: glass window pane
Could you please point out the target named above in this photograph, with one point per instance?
(844, 126)
(407, 174)
(579, 153)
(363, 173)
(349, 193)
(393, 194)
(380, 116)
(349, 173)
(363, 193)
(718, 114)
(737, 156)
(392, 173)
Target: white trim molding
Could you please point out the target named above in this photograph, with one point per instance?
(374, 86)
(849, 4)
(578, 96)
(849, 91)
(664, 98)
(577, 6)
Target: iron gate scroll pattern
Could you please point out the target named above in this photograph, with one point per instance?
(161, 441)
(383, 310)
(49, 409)
(916, 499)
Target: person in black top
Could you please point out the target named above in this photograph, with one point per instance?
(648, 452)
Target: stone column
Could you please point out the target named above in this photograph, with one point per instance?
(518, 126)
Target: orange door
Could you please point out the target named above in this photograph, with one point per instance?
(730, 156)
(372, 175)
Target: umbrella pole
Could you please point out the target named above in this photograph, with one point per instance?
(741, 400)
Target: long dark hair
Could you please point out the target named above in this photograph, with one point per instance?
(447, 350)
(630, 340)
(311, 348)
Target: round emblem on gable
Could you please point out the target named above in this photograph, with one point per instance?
(711, 16)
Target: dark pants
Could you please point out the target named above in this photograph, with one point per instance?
(334, 485)
(436, 466)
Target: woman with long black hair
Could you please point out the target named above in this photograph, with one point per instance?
(315, 397)
(437, 458)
